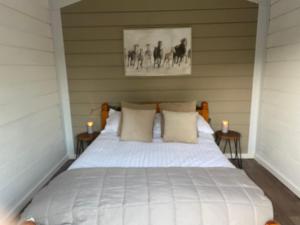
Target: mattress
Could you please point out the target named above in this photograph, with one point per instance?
(108, 151)
(156, 196)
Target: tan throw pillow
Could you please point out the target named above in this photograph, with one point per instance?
(180, 127)
(141, 106)
(136, 106)
(137, 125)
(176, 107)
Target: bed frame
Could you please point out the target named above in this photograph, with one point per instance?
(202, 110)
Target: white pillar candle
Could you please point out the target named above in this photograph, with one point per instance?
(90, 125)
(225, 126)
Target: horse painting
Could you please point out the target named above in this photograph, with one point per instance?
(157, 52)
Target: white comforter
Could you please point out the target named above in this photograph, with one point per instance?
(108, 151)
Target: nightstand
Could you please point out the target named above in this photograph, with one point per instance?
(84, 140)
(231, 136)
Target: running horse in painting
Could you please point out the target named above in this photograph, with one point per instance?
(158, 54)
(180, 52)
(132, 56)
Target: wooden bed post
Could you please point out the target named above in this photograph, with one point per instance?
(104, 114)
(204, 110)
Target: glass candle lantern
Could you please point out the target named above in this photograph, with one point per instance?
(90, 125)
(225, 126)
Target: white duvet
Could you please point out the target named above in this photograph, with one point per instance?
(108, 151)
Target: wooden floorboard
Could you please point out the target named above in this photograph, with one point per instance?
(286, 204)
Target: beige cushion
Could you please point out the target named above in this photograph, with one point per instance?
(136, 106)
(176, 107)
(137, 125)
(180, 127)
(141, 106)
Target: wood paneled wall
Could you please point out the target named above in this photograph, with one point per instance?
(279, 125)
(223, 34)
(31, 137)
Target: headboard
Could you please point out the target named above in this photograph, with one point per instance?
(202, 110)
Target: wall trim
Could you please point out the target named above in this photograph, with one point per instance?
(27, 197)
(61, 70)
(287, 182)
(244, 155)
(260, 56)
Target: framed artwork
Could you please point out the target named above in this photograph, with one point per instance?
(158, 52)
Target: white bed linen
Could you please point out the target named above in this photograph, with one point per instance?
(108, 151)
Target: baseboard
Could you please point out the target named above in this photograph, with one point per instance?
(278, 174)
(244, 155)
(24, 201)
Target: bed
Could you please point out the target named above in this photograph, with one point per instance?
(132, 183)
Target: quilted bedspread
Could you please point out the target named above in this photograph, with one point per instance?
(151, 196)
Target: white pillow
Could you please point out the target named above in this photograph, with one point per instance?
(203, 126)
(157, 126)
(112, 122)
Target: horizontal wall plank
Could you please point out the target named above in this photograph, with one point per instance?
(19, 56)
(284, 53)
(29, 7)
(16, 20)
(216, 70)
(142, 96)
(16, 111)
(155, 5)
(90, 109)
(199, 44)
(207, 57)
(285, 21)
(277, 69)
(11, 37)
(16, 74)
(199, 30)
(278, 98)
(283, 7)
(12, 93)
(286, 37)
(290, 85)
(157, 18)
(181, 83)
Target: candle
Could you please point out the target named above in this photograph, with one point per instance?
(225, 126)
(90, 125)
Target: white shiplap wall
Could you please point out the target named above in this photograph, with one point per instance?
(31, 129)
(279, 123)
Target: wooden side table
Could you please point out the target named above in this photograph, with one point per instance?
(228, 138)
(84, 140)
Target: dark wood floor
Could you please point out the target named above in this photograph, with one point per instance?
(286, 204)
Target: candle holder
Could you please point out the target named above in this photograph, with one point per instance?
(90, 125)
(225, 126)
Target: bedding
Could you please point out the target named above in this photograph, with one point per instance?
(118, 182)
(156, 196)
(109, 151)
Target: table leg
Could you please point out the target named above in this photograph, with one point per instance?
(240, 151)
(230, 149)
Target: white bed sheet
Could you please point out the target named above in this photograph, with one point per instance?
(108, 151)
